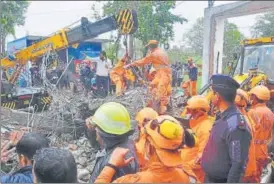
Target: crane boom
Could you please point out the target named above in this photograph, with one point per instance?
(125, 21)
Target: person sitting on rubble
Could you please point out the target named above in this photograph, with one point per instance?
(113, 128)
(25, 149)
(201, 124)
(53, 165)
(164, 138)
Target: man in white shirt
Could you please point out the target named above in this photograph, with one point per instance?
(102, 73)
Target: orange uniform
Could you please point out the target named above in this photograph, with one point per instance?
(201, 127)
(163, 165)
(263, 119)
(251, 168)
(117, 76)
(200, 124)
(142, 117)
(161, 83)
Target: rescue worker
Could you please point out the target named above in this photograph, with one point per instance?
(143, 117)
(241, 101)
(263, 119)
(191, 84)
(226, 152)
(160, 86)
(117, 75)
(164, 137)
(201, 124)
(113, 128)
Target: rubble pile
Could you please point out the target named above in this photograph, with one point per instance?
(64, 122)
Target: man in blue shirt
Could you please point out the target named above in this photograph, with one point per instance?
(225, 156)
(25, 148)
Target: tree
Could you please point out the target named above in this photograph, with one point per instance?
(155, 20)
(11, 15)
(232, 38)
(194, 37)
(264, 25)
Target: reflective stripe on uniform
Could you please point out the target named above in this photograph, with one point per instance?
(261, 141)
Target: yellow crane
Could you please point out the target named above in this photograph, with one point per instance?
(125, 21)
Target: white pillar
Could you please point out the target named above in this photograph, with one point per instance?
(208, 31)
(218, 45)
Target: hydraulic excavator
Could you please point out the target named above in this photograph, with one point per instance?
(13, 97)
(255, 65)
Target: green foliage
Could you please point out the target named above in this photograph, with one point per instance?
(111, 51)
(194, 37)
(155, 20)
(264, 25)
(12, 14)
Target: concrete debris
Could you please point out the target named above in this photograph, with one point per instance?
(64, 122)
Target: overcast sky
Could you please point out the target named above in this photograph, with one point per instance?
(46, 17)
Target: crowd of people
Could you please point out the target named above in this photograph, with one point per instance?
(230, 145)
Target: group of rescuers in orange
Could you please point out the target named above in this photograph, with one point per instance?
(159, 76)
(164, 152)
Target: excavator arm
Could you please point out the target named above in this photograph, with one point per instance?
(125, 21)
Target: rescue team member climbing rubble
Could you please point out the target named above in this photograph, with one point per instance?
(113, 128)
(226, 153)
(201, 125)
(263, 119)
(164, 137)
(25, 149)
(160, 86)
(241, 102)
(119, 75)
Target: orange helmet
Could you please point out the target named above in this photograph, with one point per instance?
(261, 92)
(198, 102)
(165, 133)
(241, 98)
(152, 42)
(145, 113)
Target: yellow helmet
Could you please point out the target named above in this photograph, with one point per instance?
(112, 118)
(261, 92)
(198, 102)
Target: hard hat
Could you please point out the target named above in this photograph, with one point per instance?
(145, 113)
(241, 98)
(152, 42)
(112, 118)
(261, 92)
(198, 102)
(165, 133)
